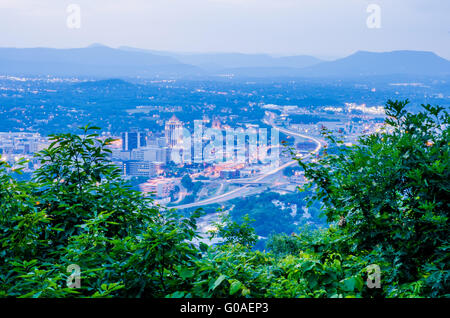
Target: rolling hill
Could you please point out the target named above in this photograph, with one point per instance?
(105, 62)
(97, 61)
(377, 64)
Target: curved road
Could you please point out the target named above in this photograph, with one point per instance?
(242, 191)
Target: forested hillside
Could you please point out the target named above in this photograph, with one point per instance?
(386, 201)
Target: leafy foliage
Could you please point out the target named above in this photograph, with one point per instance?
(386, 199)
(232, 232)
(78, 211)
(389, 195)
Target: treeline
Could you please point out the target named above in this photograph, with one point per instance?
(386, 200)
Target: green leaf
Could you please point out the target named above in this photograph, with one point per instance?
(186, 273)
(177, 294)
(351, 284)
(218, 282)
(235, 286)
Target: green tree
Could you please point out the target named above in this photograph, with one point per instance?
(186, 182)
(235, 233)
(389, 194)
(78, 210)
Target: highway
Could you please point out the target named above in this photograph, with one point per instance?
(248, 189)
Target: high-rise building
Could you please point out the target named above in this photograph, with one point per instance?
(150, 153)
(173, 131)
(133, 140)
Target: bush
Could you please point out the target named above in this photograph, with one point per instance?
(77, 210)
(390, 195)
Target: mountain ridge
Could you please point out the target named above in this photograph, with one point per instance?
(101, 61)
(365, 63)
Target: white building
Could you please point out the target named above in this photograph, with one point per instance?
(151, 154)
(173, 129)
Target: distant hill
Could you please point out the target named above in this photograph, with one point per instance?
(95, 60)
(104, 62)
(376, 64)
(360, 64)
(220, 61)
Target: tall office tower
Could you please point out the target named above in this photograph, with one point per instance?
(173, 131)
(133, 140)
(142, 140)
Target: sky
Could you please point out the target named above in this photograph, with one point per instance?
(323, 28)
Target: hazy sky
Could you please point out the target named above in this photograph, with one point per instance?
(325, 28)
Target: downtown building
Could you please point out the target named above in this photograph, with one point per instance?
(133, 140)
(136, 168)
(160, 187)
(151, 153)
(173, 131)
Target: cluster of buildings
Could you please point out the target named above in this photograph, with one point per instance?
(145, 154)
(160, 187)
(149, 155)
(363, 108)
(144, 160)
(22, 145)
(351, 119)
(142, 154)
